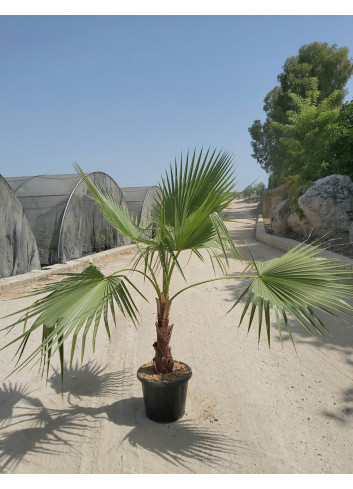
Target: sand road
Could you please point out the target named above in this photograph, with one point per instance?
(249, 409)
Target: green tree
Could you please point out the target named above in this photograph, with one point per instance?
(307, 133)
(267, 149)
(260, 187)
(340, 152)
(331, 67)
(329, 64)
(248, 191)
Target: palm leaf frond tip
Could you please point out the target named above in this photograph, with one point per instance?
(298, 283)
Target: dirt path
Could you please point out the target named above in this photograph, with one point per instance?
(249, 409)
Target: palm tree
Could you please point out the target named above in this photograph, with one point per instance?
(187, 216)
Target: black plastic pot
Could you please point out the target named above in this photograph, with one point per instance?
(165, 401)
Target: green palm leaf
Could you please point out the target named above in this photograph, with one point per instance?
(71, 307)
(114, 213)
(190, 199)
(190, 193)
(297, 283)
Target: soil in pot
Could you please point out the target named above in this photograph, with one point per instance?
(164, 394)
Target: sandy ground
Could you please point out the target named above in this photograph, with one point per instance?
(249, 409)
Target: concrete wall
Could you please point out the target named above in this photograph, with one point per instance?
(286, 244)
(71, 266)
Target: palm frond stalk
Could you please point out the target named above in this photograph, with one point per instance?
(187, 215)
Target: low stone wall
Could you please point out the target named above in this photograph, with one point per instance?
(70, 266)
(287, 244)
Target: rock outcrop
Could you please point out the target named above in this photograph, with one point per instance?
(327, 208)
(328, 205)
(280, 214)
(19, 253)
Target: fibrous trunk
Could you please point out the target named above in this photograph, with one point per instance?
(163, 360)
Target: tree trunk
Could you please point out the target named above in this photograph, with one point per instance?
(163, 360)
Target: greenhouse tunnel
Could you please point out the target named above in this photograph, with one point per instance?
(18, 247)
(65, 221)
(140, 202)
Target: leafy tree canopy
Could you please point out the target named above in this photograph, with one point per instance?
(329, 64)
(253, 189)
(340, 152)
(260, 187)
(248, 191)
(330, 67)
(307, 133)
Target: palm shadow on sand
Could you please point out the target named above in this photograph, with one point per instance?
(343, 412)
(176, 443)
(28, 427)
(91, 380)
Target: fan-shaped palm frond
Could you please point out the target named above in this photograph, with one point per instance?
(71, 307)
(190, 200)
(298, 283)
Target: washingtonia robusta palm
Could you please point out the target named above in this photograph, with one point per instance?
(186, 216)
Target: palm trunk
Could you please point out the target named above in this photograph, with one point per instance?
(163, 360)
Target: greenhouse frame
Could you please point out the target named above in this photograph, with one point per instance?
(19, 253)
(140, 201)
(64, 219)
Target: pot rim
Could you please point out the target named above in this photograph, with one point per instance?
(165, 383)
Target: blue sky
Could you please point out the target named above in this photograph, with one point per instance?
(126, 94)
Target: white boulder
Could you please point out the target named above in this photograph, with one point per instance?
(328, 205)
(279, 218)
(301, 227)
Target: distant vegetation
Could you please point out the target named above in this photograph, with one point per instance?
(308, 131)
(251, 191)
